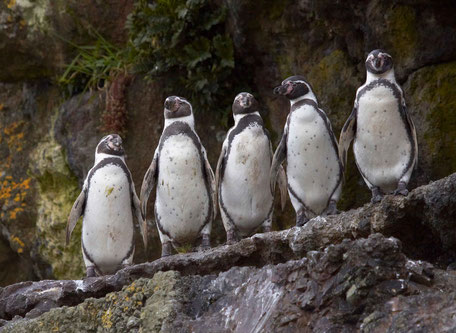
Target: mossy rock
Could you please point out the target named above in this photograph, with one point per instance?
(431, 98)
(58, 189)
(146, 305)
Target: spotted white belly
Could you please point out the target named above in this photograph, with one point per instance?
(312, 163)
(182, 200)
(245, 185)
(107, 231)
(382, 147)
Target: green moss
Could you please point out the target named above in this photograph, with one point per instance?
(402, 27)
(334, 81)
(149, 303)
(432, 96)
(58, 189)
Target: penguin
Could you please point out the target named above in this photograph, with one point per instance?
(185, 193)
(242, 173)
(314, 170)
(108, 202)
(385, 144)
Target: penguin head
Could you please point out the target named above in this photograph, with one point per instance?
(379, 62)
(294, 87)
(177, 107)
(111, 145)
(244, 103)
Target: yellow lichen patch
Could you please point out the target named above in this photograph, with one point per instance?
(19, 244)
(12, 196)
(10, 4)
(131, 288)
(14, 139)
(106, 319)
(13, 213)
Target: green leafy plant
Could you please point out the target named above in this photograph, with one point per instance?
(95, 64)
(186, 41)
(102, 66)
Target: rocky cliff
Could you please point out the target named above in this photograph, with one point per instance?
(333, 274)
(48, 133)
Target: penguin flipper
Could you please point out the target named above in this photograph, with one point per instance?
(76, 212)
(148, 184)
(212, 183)
(282, 187)
(139, 217)
(279, 156)
(346, 137)
(413, 130)
(218, 170)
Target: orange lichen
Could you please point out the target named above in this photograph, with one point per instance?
(12, 196)
(10, 4)
(2, 106)
(18, 243)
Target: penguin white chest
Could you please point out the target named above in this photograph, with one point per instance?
(313, 170)
(107, 231)
(382, 147)
(245, 185)
(182, 198)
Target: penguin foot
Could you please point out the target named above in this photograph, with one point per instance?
(124, 266)
(231, 237)
(301, 217)
(91, 272)
(332, 208)
(300, 222)
(401, 189)
(167, 249)
(205, 242)
(377, 196)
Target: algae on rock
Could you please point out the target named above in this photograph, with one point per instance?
(58, 189)
(123, 311)
(430, 94)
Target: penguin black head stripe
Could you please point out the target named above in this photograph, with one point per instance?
(245, 103)
(293, 87)
(111, 144)
(177, 107)
(379, 62)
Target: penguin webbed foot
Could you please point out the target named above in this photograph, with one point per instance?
(267, 228)
(231, 237)
(205, 242)
(167, 249)
(301, 218)
(377, 195)
(91, 272)
(122, 266)
(332, 208)
(401, 189)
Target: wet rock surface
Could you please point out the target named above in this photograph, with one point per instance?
(308, 278)
(366, 284)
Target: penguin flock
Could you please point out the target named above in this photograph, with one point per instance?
(188, 193)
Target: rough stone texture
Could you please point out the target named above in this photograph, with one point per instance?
(356, 285)
(326, 41)
(396, 216)
(34, 35)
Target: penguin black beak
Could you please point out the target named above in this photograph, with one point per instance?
(280, 90)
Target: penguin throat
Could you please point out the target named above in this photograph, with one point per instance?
(388, 75)
(102, 156)
(238, 117)
(310, 95)
(187, 119)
